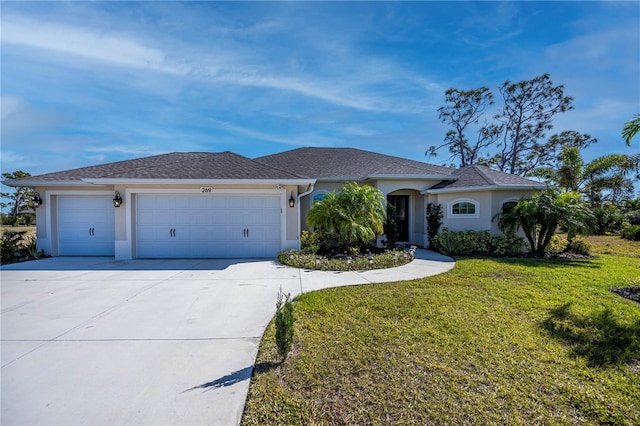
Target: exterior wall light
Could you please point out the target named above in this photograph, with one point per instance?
(37, 200)
(117, 200)
(292, 201)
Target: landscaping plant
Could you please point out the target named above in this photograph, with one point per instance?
(477, 243)
(434, 221)
(541, 215)
(353, 218)
(284, 324)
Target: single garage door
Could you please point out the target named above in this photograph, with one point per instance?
(86, 226)
(208, 226)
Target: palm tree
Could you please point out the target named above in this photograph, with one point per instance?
(607, 173)
(540, 216)
(630, 129)
(354, 217)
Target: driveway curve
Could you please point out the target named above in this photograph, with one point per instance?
(88, 341)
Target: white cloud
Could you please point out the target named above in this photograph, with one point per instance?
(87, 44)
(352, 81)
(233, 128)
(124, 149)
(10, 105)
(20, 119)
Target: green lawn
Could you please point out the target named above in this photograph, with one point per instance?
(494, 341)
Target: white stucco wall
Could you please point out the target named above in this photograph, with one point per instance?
(490, 203)
(461, 223)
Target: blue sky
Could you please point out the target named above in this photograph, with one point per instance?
(87, 82)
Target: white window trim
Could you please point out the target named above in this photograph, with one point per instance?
(463, 216)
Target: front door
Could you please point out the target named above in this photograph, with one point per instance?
(401, 207)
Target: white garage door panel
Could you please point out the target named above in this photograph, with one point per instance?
(208, 226)
(86, 226)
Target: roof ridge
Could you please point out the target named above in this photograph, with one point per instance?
(481, 172)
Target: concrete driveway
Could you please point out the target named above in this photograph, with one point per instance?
(89, 341)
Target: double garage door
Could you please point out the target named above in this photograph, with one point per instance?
(174, 226)
(207, 226)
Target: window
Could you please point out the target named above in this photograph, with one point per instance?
(317, 197)
(463, 208)
(507, 207)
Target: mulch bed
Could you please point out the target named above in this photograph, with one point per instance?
(631, 293)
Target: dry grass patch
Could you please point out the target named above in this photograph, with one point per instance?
(614, 245)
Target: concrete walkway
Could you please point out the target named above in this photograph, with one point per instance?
(88, 341)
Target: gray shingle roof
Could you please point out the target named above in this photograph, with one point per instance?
(349, 164)
(296, 164)
(480, 176)
(176, 165)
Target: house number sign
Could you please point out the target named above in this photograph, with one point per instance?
(206, 189)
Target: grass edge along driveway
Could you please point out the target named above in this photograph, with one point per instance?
(515, 341)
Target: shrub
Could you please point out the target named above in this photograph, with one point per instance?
(579, 246)
(11, 246)
(14, 248)
(508, 245)
(309, 242)
(30, 250)
(633, 217)
(434, 221)
(388, 259)
(557, 245)
(606, 219)
(631, 232)
(478, 242)
(284, 324)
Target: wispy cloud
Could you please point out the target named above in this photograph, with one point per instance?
(253, 134)
(87, 44)
(355, 86)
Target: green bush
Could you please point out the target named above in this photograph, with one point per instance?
(15, 249)
(9, 220)
(478, 242)
(579, 246)
(11, 246)
(284, 324)
(309, 242)
(508, 245)
(605, 219)
(633, 217)
(631, 232)
(30, 250)
(434, 221)
(557, 245)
